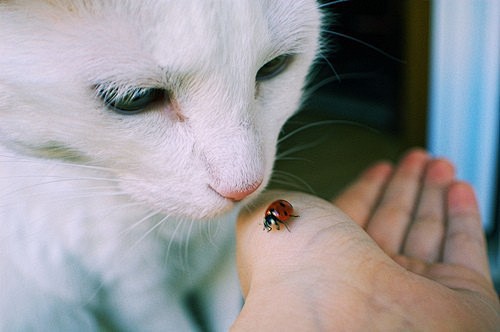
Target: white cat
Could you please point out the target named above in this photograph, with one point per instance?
(131, 132)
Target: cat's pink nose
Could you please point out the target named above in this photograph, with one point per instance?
(239, 194)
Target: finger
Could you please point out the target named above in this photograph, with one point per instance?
(464, 242)
(426, 232)
(359, 199)
(392, 215)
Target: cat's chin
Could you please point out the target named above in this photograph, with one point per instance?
(208, 206)
(230, 207)
(218, 208)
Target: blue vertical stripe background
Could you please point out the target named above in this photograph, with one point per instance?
(464, 92)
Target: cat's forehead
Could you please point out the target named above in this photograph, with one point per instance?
(135, 38)
(212, 29)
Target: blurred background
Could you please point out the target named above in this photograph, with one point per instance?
(397, 74)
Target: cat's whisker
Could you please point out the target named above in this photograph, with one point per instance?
(314, 88)
(186, 243)
(294, 159)
(147, 233)
(368, 45)
(139, 222)
(130, 250)
(332, 3)
(336, 75)
(172, 239)
(36, 161)
(51, 163)
(209, 234)
(305, 127)
(95, 189)
(323, 123)
(60, 178)
(280, 176)
(56, 180)
(72, 201)
(67, 196)
(284, 154)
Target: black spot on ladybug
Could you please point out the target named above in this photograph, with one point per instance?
(282, 204)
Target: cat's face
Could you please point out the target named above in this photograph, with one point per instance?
(183, 101)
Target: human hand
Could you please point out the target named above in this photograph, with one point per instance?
(428, 272)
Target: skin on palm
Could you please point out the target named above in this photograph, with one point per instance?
(389, 276)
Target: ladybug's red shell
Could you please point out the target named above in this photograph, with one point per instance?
(280, 209)
(278, 212)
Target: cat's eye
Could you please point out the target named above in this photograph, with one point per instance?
(274, 67)
(131, 101)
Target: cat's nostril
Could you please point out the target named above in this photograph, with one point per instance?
(238, 194)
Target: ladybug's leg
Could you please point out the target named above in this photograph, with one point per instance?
(286, 226)
(267, 225)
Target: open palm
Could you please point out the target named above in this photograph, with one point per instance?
(428, 222)
(406, 252)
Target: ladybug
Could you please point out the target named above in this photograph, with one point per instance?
(278, 212)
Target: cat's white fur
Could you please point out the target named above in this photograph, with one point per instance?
(121, 216)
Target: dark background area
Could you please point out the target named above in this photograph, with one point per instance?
(358, 110)
(363, 62)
